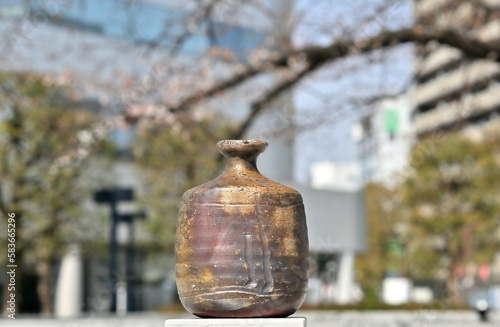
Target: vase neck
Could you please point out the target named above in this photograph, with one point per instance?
(235, 164)
(241, 154)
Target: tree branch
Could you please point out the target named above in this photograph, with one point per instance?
(223, 85)
(318, 55)
(3, 205)
(257, 106)
(205, 14)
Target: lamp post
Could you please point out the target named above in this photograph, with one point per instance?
(113, 196)
(130, 253)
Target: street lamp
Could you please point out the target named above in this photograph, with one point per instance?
(127, 221)
(113, 196)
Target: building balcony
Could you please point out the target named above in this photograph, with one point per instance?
(462, 78)
(491, 3)
(437, 59)
(470, 106)
(423, 7)
(490, 32)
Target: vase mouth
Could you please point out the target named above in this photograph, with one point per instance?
(241, 148)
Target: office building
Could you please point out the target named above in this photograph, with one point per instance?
(453, 91)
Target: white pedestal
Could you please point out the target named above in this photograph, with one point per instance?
(230, 322)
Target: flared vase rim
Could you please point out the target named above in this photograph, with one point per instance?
(241, 146)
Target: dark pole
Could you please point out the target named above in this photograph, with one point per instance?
(113, 252)
(130, 269)
(113, 196)
(130, 260)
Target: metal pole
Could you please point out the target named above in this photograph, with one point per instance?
(113, 254)
(130, 271)
(113, 196)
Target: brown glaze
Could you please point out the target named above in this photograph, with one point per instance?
(241, 242)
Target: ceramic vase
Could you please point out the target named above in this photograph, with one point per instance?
(241, 242)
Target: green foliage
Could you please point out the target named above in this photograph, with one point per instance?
(175, 157)
(446, 213)
(382, 219)
(451, 203)
(38, 127)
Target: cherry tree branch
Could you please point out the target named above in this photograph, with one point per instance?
(204, 15)
(316, 56)
(257, 106)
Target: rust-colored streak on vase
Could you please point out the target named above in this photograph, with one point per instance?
(241, 242)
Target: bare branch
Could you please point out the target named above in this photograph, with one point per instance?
(268, 97)
(224, 85)
(316, 56)
(205, 14)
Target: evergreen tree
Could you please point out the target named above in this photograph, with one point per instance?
(451, 204)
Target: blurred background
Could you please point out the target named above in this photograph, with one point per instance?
(384, 114)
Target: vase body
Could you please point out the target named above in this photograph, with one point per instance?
(241, 242)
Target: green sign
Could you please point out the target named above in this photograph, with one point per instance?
(391, 121)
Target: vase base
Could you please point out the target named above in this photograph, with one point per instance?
(255, 322)
(243, 305)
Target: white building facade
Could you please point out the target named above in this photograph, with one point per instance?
(384, 140)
